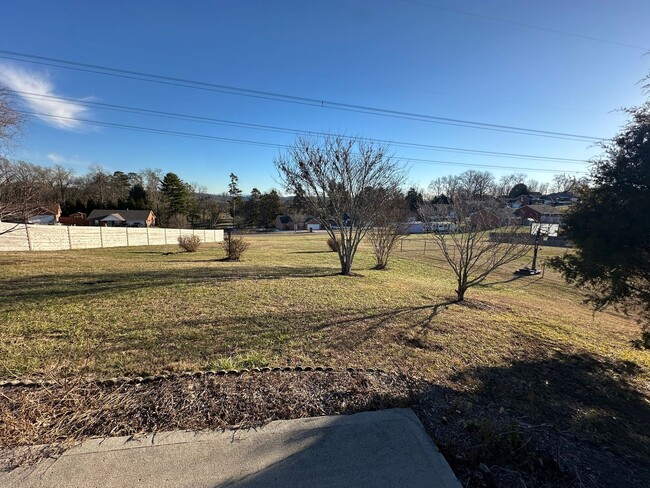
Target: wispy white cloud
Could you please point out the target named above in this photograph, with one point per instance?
(35, 89)
(67, 161)
(56, 158)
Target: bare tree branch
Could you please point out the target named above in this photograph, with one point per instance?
(10, 121)
(339, 180)
(389, 226)
(468, 249)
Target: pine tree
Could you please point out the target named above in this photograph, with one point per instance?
(175, 195)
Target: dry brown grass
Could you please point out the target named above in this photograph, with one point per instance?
(68, 411)
(528, 345)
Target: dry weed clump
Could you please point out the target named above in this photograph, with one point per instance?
(333, 244)
(189, 243)
(234, 246)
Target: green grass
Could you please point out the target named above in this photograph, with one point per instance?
(528, 344)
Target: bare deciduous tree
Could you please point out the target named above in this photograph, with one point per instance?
(11, 121)
(7, 176)
(469, 251)
(60, 180)
(568, 183)
(21, 187)
(444, 185)
(151, 179)
(297, 218)
(338, 181)
(388, 227)
(507, 182)
(476, 184)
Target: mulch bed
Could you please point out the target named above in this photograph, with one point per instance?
(485, 446)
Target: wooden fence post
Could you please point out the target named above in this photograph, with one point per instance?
(101, 236)
(29, 240)
(69, 238)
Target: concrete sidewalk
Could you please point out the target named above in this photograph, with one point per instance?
(370, 449)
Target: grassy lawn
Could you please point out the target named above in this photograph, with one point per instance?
(528, 344)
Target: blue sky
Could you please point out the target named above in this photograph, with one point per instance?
(555, 66)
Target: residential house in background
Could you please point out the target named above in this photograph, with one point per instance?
(77, 218)
(283, 222)
(312, 223)
(562, 198)
(122, 218)
(491, 218)
(542, 213)
(34, 213)
(286, 222)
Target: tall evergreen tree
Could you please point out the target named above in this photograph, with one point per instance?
(610, 227)
(252, 209)
(414, 199)
(270, 208)
(175, 195)
(137, 198)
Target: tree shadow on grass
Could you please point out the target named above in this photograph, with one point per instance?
(502, 282)
(372, 320)
(560, 420)
(33, 289)
(597, 399)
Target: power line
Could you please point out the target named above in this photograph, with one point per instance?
(293, 71)
(270, 144)
(210, 120)
(260, 94)
(527, 26)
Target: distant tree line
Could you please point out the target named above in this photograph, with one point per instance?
(175, 202)
(25, 185)
(482, 184)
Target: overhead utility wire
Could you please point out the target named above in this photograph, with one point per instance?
(270, 144)
(527, 26)
(210, 120)
(232, 90)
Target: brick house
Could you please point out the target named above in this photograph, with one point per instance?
(542, 213)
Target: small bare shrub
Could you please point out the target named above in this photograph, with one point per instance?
(189, 243)
(333, 244)
(234, 247)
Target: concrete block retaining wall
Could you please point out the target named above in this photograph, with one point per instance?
(26, 237)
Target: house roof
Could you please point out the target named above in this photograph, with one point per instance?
(504, 212)
(113, 217)
(501, 213)
(100, 214)
(562, 195)
(547, 209)
(284, 219)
